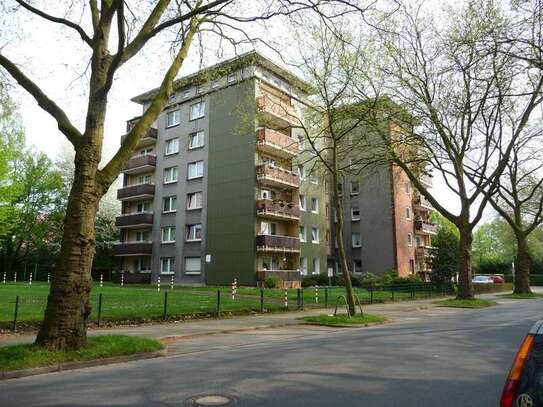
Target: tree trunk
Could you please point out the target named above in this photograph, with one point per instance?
(65, 320)
(522, 266)
(465, 286)
(349, 295)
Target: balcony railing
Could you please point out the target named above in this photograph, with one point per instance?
(132, 220)
(421, 203)
(277, 209)
(425, 227)
(133, 248)
(427, 180)
(140, 163)
(276, 143)
(134, 192)
(149, 138)
(277, 176)
(275, 243)
(276, 109)
(424, 252)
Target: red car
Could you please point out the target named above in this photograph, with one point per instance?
(497, 279)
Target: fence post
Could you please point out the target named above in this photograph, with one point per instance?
(392, 293)
(326, 297)
(101, 280)
(158, 283)
(172, 281)
(48, 278)
(298, 302)
(233, 290)
(30, 279)
(165, 314)
(316, 295)
(15, 277)
(5, 275)
(15, 313)
(100, 309)
(412, 291)
(122, 279)
(261, 300)
(286, 297)
(302, 298)
(218, 303)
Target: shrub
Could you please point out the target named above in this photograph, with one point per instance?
(412, 279)
(315, 279)
(272, 282)
(389, 276)
(367, 278)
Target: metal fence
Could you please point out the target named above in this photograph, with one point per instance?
(22, 305)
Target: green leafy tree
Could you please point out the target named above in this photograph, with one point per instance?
(446, 250)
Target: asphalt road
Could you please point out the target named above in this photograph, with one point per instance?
(440, 357)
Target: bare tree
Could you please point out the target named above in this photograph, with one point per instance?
(460, 85)
(114, 32)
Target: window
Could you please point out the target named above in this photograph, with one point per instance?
(197, 110)
(409, 239)
(193, 265)
(316, 265)
(173, 118)
(354, 188)
(266, 194)
(196, 170)
(314, 205)
(186, 92)
(303, 265)
(167, 265)
(144, 179)
(172, 146)
(143, 206)
(301, 142)
(301, 199)
(196, 140)
(231, 78)
(146, 151)
(355, 238)
(407, 187)
(168, 234)
(215, 84)
(144, 264)
(267, 228)
(301, 172)
(170, 204)
(170, 174)
(355, 213)
(327, 211)
(313, 178)
(302, 234)
(340, 188)
(408, 213)
(200, 89)
(142, 236)
(357, 266)
(418, 241)
(173, 98)
(194, 200)
(194, 232)
(327, 236)
(314, 235)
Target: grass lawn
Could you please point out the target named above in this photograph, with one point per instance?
(530, 296)
(144, 303)
(28, 356)
(345, 320)
(475, 303)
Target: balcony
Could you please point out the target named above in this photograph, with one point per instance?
(424, 252)
(149, 138)
(133, 248)
(140, 163)
(136, 192)
(427, 180)
(275, 243)
(274, 110)
(134, 220)
(277, 209)
(276, 143)
(425, 228)
(275, 176)
(420, 203)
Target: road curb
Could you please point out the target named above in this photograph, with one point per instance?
(17, 374)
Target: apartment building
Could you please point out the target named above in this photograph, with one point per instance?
(219, 188)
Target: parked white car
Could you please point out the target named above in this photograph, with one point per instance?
(482, 280)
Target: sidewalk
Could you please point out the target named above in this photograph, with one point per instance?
(186, 329)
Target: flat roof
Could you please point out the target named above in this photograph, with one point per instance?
(221, 68)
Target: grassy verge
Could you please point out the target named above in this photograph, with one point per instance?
(475, 303)
(522, 296)
(28, 356)
(344, 320)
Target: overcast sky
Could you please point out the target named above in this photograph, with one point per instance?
(58, 65)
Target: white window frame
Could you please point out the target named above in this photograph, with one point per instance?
(316, 265)
(359, 240)
(301, 172)
(303, 265)
(231, 78)
(171, 265)
(145, 206)
(302, 202)
(315, 233)
(409, 239)
(201, 112)
(193, 272)
(147, 178)
(302, 233)
(197, 164)
(169, 233)
(353, 216)
(142, 236)
(408, 213)
(186, 92)
(174, 170)
(191, 237)
(301, 142)
(199, 136)
(173, 141)
(190, 197)
(314, 205)
(353, 192)
(172, 200)
(173, 118)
